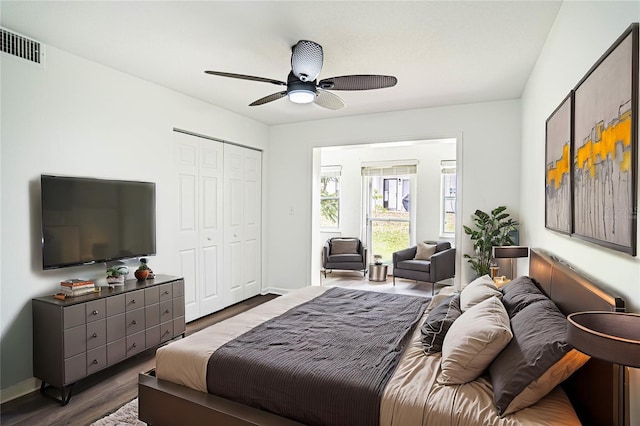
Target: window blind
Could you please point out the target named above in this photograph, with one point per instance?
(331, 171)
(390, 168)
(448, 166)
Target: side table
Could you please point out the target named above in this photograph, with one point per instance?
(377, 272)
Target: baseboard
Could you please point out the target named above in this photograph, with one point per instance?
(19, 389)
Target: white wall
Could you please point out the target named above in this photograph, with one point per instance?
(78, 118)
(583, 31)
(488, 159)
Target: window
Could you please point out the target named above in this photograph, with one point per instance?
(330, 197)
(448, 201)
(388, 215)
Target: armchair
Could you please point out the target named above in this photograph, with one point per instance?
(344, 253)
(440, 266)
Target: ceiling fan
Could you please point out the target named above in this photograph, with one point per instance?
(302, 86)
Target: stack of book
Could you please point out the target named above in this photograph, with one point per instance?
(75, 287)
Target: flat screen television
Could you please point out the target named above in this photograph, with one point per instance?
(86, 220)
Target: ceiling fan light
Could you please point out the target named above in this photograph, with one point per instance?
(301, 96)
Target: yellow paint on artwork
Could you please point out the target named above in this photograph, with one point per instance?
(555, 174)
(606, 139)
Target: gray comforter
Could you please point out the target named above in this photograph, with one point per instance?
(325, 362)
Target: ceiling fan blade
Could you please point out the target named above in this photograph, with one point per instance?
(358, 82)
(270, 98)
(247, 77)
(328, 100)
(306, 60)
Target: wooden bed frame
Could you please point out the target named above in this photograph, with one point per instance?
(164, 403)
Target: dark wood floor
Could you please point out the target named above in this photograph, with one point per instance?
(106, 391)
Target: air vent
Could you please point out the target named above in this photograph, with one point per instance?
(22, 47)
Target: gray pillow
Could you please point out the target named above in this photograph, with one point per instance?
(520, 293)
(537, 359)
(437, 324)
(344, 246)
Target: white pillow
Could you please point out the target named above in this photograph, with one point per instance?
(473, 341)
(478, 291)
(424, 251)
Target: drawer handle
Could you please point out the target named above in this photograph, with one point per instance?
(94, 313)
(166, 312)
(166, 292)
(134, 345)
(95, 361)
(133, 302)
(94, 335)
(166, 332)
(134, 322)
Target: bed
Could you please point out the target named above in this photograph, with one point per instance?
(176, 392)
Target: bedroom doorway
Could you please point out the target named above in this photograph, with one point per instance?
(352, 213)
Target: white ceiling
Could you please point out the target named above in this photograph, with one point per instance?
(442, 52)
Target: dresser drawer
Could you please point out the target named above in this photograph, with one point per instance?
(166, 311)
(73, 316)
(75, 368)
(135, 343)
(178, 288)
(116, 327)
(152, 295)
(96, 359)
(152, 315)
(178, 307)
(178, 326)
(96, 334)
(116, 351)
(115, 305)
(166, 292)
(134, 300)
(152, 336)
(95, 310)
(166, 331)
(75, 341)
(135, 321)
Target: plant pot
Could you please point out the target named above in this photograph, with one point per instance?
(115, 280)
(141, 274)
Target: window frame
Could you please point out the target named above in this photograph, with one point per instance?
(331, 172)
(447, 168)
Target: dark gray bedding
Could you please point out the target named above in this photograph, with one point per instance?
(324, 362)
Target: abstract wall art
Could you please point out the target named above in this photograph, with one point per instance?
(558, 193)
(604, 175)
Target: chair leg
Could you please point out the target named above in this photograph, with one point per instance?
(433, 286)
(394, 280)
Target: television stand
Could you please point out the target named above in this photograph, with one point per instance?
(79, 336)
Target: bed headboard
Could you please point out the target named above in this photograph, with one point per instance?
(595, 389)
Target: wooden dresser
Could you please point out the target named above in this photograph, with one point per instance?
(79, 336)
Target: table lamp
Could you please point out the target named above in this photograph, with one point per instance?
(510, 252)
(612, 337)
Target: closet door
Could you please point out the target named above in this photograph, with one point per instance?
(199, 239)
(252, 222)
(242, 222)
(233, 223)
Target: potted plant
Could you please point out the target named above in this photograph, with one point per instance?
(143, 272)
(491, 229)
(377, 259)
(115, 274)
